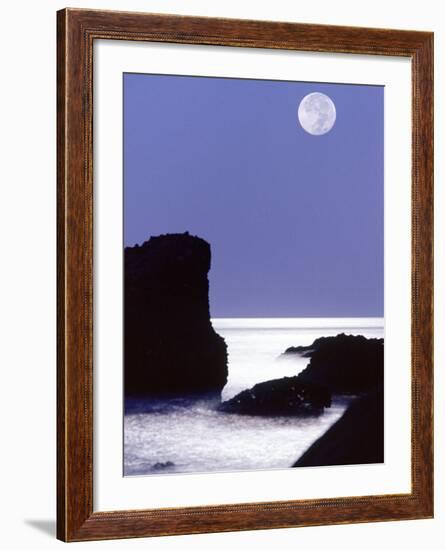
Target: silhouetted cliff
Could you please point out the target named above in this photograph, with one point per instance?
(170, 345)
(356, 438)
(344, 364)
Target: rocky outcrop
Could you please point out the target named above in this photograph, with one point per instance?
(306, 351)
(356, 438)
(170, 346)
(344, 364)
(282, 397)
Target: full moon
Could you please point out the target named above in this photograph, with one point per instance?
(317, 114)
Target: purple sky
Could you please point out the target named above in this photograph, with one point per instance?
(295, 221)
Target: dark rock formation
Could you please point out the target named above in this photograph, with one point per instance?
(304, 351)
(281, 397)
(171, 347)
(161, 466)
(343, 364)
(356, 438)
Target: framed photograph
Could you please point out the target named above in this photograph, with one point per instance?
(245, 229)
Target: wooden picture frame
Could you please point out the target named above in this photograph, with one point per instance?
(77, 31)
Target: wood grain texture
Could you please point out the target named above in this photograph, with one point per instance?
(76, 31)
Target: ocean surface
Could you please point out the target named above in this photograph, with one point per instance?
(167, 437)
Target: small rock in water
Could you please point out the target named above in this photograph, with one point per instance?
(162, 466)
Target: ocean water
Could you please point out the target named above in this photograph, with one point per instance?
(179, 437)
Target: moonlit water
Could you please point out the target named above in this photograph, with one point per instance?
(179, 437)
